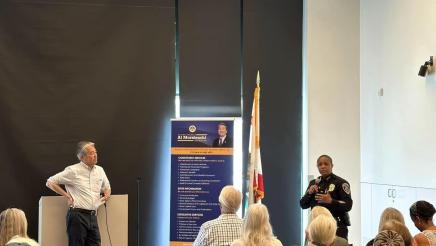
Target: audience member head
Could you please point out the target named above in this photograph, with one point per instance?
(390, 214)
(315, 212)
(388, 238)
(421, 213)
(21, 241)
(318, 210)
(12, 222)
(400, 228)
(230, 200)
(322, 230)
(257, 229)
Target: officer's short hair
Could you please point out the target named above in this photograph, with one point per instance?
(326, 156)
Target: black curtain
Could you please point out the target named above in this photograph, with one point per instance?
(93, 70)
(209, 58)
(272, 43)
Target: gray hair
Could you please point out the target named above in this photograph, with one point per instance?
(81, 148)
(230, 199)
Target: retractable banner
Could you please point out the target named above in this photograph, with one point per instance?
(201, 165)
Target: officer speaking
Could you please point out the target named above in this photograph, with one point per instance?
(331, 192)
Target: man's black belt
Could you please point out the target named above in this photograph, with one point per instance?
(84, 211)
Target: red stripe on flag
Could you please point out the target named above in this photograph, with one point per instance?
(260, 192)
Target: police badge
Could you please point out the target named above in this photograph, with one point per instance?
(331, 187)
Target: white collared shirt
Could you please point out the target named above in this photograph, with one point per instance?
(84, 184)
(222, 140)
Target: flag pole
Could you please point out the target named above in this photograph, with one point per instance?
(255, 178)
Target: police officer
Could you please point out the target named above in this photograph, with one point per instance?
(331, 192)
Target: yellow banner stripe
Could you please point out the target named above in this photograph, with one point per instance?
(176, 243)
(201, 151)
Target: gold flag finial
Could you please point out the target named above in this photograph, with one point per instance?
(258, 78)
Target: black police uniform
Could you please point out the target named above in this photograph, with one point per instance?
(339, 190)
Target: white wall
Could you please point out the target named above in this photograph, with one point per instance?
(332, 80)
(398, 134)
(398, 129)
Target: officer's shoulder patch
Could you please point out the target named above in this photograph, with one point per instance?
(346, 188)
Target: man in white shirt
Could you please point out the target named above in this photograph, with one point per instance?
(227, 227)
(84, 182)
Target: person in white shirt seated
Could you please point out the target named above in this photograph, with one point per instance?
(227, 227)
(257, 230)
(13, 228)
(84, 182)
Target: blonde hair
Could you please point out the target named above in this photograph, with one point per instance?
(12, 222)
(230, 199)
(400, 228)
(318, 210)
(390, 214)
(256, 229)
(322, 230)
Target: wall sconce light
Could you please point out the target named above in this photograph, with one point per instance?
(423, 69)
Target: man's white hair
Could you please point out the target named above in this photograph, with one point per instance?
(230, 199)
(81, 148)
